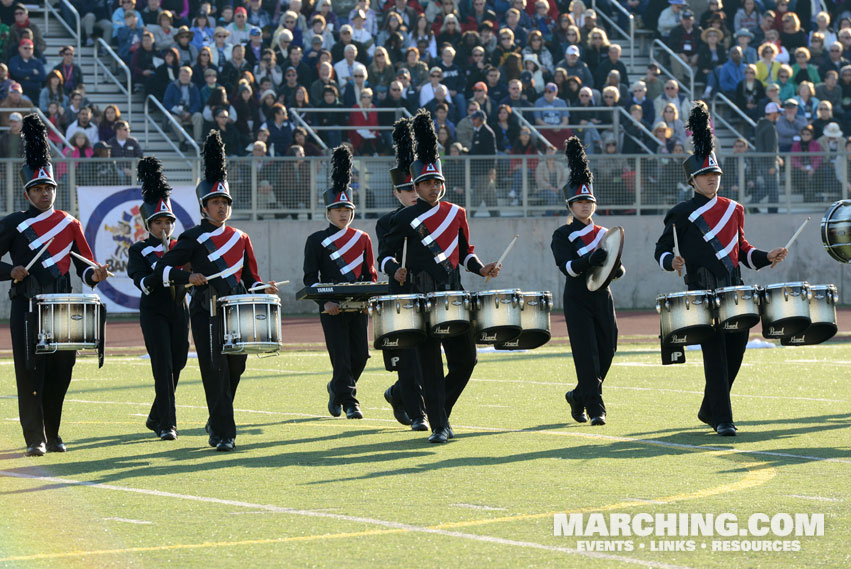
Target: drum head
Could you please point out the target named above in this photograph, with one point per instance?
(836, 231)
(612, 243)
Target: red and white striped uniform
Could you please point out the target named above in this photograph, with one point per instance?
(349, 248)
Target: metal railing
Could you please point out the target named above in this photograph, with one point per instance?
(301, 111)
(127, 88)
(640, 126)
(735, 108)
(75, 31)
(628, 35)
(678, 59)
(312, 133)
(177, 128)
(501, 186)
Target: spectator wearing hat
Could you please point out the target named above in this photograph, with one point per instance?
(766, 143)
(743, 38)
(789, 125)
(240, 29)
(130, 37)
(749, 94)
(575, 67)
(18, 29)
(27, 70)
(183, 100)
(15, 99)
(220, 50)
(684, 40)
(119, 19)
(72, 74)
(552, 115)
(254, 47)
(670, 17)
(10, 140)
(361, 34)
(182, 41)
(832, 143)
(483, 169)
(710, 56)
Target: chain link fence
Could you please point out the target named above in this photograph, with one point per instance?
(492, 186)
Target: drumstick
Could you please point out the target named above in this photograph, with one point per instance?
(164, 239)
(792, 240)
(211, 277)
(676, 247)
(37, 255)
(89, 262)
(504, 254)
(259, 286)
(404, 252)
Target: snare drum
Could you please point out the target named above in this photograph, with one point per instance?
(823, 317)
(448, 313)
(68, 322)
(534, 321)
(497, 316)
(836, 231)
(251, 323)
(738, 307)
(785, 309)
(686, 317)
(398, 321)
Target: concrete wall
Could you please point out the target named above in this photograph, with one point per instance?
(279, 245)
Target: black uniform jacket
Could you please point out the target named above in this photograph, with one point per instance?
(157, 296)
(320, 267)
(24, 233)
(572, 244)
(382, 228)
(712, 241)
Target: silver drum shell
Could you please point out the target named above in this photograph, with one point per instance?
(498, 316)
(68, 322)
(534, 321)
(398, 321)
(822, 315)
(785, 309)
(251, 324)
(686, 317)
(738, 307)
(448, 313)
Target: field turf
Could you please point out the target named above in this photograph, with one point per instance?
(306, 490)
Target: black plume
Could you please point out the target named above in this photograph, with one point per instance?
(698, 124)
(341, 168)
(214, 158)
(154, 185)
(577, 162)
(34, 133)
(424, 137)
(403, 144)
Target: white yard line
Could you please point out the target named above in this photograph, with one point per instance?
(129, 521)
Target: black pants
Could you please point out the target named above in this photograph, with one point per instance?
(441, 392)
(408, 386)
(345, 338)
(593, 331)
(41, 391)
(219, 373)
(722, 358)
(167, 342)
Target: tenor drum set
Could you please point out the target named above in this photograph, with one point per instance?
(796, 313)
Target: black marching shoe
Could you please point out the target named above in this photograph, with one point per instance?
(577, 411)
(168, 434)
(36, 449)
(726, 429)
(56, 445)
(353, 412)
(152, 426)
(439, 435)
(449, 432)
(398, 407)
(226, 445)
(420, 424)
(214, 440)
(333, 407)
(598, 420)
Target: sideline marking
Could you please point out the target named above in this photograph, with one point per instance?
(477, 507)
(392, 527)
(820, 498)
(129, 521)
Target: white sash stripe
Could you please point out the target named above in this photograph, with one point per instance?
(348, 268)
(331, 238)
(58, 256)
(22, 226)
(569, 267)
(55, 230)
(721, 223)
(237, 235)
(417, 221)
(726, 250)
(581, 232)
(591, 246)
(166, 279)
(446, 254)
(662, 259)
(234, 269)
(443, 226)
(706, 207)
(349, 244)
(204, 236)
(148, 250)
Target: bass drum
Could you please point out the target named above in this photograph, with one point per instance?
(823, 316)
(534, 320)
(836, 231)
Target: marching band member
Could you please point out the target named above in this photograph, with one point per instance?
(42, 379)
(404, 396)
(213, 248)
(162, 308)
(438, 243)
(712, 246)
(341, 254)
(591, 322)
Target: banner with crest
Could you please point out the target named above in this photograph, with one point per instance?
(112, 223)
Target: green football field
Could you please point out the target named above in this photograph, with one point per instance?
(306, 490)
